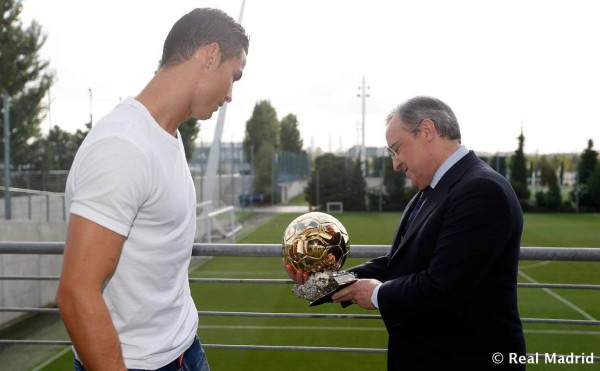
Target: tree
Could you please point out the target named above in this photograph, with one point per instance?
(497, 163)
(263, 170)
(24, 77)
(189, 130)
(518, 171)
(260, 142)
(593, 187)
(289, 136)
(327, 183)
(397, 196)
(261, 128)
(56, 151)
(589, 178)
(338, 179)
(551, 198)
(356, 188)
(587, 163)
(561, 173)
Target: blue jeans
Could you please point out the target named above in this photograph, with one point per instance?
(194, 359)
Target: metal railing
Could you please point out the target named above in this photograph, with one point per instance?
(274, 250)
(26, 203)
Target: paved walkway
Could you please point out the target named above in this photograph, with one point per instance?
(276, 209)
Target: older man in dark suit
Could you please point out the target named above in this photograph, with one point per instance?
(447, 290)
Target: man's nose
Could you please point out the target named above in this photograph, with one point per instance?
(396, 164)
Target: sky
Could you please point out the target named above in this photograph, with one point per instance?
(503, 66)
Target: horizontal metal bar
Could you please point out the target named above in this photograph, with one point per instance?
(17, 247)
(561, 321)
(223, 314)
(31, 310)
(560, 253)
(274, 250)
(29, 278)
(289, 281)
(558, 286)
(310, 315)
(35, 342)
(221, 346)
(294, 348)
(287, 315)
(239, 280)
(33, 192)
(192, 280)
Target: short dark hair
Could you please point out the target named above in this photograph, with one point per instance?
(203, 26)
(415, 110)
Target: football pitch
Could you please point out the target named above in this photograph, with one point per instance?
(548, 230)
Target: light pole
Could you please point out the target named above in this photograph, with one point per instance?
(90, 91)
(208, 184)
(6, 122)
(364, 95)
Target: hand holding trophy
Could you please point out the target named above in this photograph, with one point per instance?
(316, 244)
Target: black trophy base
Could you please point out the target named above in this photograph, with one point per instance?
(342, 281)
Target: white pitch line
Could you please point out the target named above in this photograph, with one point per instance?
(562, 332)
(534, 265)
(559, 298)
(51, 359)
(330, 328)
(310, 328)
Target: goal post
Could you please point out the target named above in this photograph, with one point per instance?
(335, 207)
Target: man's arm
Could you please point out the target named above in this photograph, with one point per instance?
(90, 258)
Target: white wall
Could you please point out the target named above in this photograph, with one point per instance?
(16, 293)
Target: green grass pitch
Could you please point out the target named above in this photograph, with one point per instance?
(549, 230)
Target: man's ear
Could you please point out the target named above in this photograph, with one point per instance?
(213, 55)
(209, 55)
(428, 128)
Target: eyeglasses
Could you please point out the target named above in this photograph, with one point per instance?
(393, 154)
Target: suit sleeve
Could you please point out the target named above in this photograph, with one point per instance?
(375, 268)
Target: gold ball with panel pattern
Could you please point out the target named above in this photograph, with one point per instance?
(315, 242)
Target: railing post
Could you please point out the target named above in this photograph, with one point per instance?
(232, 219)
(6, 137)
(209, 229)
(47, 208)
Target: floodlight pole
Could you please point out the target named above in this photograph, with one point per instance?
(208, 184)
(90, 91)
(7, 211)
(363, 94)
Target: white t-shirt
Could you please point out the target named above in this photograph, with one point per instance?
(132, 177)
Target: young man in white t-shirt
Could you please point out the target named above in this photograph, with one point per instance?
(124, 294)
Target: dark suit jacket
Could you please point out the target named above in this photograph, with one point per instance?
(449, 295)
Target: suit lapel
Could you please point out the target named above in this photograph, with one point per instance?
(405, 214)
(452, 176)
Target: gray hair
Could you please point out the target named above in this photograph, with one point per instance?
(203, 26)
(415, 110)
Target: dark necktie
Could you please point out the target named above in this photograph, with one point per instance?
(421, 200)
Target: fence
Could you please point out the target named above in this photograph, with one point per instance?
(272, 250)
(28, 204)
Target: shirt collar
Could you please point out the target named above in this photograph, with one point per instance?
(450, 161)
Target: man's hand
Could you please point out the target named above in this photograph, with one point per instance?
(299, 276)
(358, 293)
